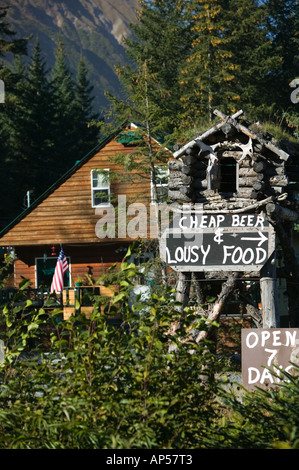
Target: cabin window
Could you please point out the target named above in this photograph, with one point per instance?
(161, 174)
(45, 268)
(228, 175)
(100, 187)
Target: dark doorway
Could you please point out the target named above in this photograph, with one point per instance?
(228, 175)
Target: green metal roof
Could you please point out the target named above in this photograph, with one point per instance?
(127, 138)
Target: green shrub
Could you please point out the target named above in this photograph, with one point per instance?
(85, 383)
(264, 418)
(101, 386)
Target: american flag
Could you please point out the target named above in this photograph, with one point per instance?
(61, 267)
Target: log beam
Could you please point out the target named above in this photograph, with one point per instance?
(268, 288)
(277, 211)
(226, 290)
(292, 264)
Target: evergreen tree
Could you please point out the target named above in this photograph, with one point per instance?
(65, 127)
(149, 83)
(161, 38)
(146, 161)
(44, 126)
(233, 62)
(38, 127)
(7, 41)
(29, 142)
(85, 115)
(255, 58)
(13, 80)
(73, 112)
(11, 179)
(140, 107)
(207, 78)
(282, 22)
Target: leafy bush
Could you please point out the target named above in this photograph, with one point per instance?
(94, 385)
(265, 418)
(86, 383)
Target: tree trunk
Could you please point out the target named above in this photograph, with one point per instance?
(153, 171)
(200, 184)
(183, 290)
(226, 290)
(199, 290)
(275, 210)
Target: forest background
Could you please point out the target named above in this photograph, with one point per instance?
(184, 59)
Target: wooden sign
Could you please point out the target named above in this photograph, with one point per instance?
(220, 242)
(266, 353)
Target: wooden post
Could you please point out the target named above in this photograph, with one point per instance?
(226, 290)
(182, 296)
(183, 289)
(282, 219)
(268, 289)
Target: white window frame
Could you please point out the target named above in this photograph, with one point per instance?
(99, 188)
(163, 168)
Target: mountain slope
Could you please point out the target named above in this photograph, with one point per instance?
(93, 28)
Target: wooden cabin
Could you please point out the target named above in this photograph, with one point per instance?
(232, 164)
(70, 213)
(235, 168)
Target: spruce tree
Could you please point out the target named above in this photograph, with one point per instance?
(282, 23)
(13, 80)
(7, 41)
(38, 128)
(161, 38)
(65, 127)
(85, 115)
(146, 162)
(207, 78)
(150, 86)
(256, 61)
(73, 112)
(11, 132)
(29, 141)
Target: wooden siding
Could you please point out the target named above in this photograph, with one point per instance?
(94, 260)
(67, 215)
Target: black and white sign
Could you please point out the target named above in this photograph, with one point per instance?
(228, 242)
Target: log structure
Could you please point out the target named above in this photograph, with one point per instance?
(235, 168)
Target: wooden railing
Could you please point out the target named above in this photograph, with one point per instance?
(76, 299)
(72, 300)
(38, 297)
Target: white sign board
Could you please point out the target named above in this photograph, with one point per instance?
(266, 353)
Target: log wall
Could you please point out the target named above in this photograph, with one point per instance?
(258, 175)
